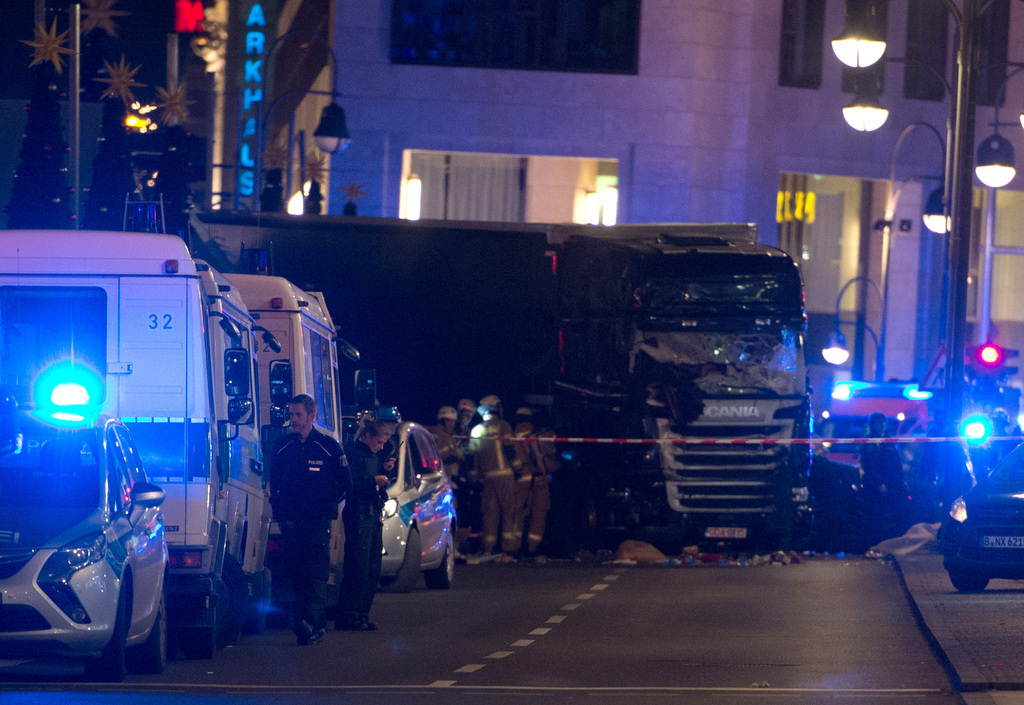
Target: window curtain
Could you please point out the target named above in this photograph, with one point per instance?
(483, 187)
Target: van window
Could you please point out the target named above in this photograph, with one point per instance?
(46, 327)
(321, 370)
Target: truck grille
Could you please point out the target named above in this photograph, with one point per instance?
(724, 479)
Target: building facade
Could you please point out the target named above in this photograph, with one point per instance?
(659, 111)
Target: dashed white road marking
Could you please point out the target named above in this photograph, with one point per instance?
(442, 684)
(557, 619)
(540, 631)
(469, 668)
(500, 654)
(523, 642)
(585, 596)
(599, 586)
(571, 606)
(609, 578)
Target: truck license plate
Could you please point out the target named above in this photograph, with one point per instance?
(726, 532)
(1002, 541)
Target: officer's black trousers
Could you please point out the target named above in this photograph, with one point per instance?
(364, 544)
(307, 550)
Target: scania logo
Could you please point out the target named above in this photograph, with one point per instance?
(745, 411)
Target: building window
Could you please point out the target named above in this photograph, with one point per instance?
(600, 36)
(508, 188)
(800, 43)
(925, 72)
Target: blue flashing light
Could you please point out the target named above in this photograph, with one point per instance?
(976, 429)
(68, 394)
(912, 392)
(845, 390)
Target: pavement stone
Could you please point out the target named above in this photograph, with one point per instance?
(980, 635)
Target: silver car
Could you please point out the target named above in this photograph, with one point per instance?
(419, 516)
(83, 560)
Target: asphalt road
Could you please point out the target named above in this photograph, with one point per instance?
(825, 630)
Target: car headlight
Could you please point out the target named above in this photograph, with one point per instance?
(959, 510)
(390, 508)
(55, 576)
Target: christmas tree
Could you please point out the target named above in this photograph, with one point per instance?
(40, 197)
(112, 178)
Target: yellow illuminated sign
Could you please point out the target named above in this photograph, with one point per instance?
(798, 206)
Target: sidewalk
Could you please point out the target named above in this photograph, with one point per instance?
(980, 635)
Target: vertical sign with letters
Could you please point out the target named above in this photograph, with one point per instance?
(254, 48)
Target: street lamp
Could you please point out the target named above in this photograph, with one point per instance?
(331, 134)
(994, 165)
(859, 44)
(835, 351)
(866, 113)
(966, 15)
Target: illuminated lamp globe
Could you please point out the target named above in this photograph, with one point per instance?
(860, 44)
(835, 351)
(865, 114)
(994, 165)
(934, 216)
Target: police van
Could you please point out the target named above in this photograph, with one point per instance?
(304, 361)
(163, 343)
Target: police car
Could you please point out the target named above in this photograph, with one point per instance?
(83, 559)
(419, 515)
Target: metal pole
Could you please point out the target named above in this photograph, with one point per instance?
(985, 299)
(75, 131)
(960, 208)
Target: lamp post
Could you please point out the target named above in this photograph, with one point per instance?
(835, 351)
(891, 201)
(966, 15)
(331, 134)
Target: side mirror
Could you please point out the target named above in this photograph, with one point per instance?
(145, 494)
(236, 372)
(366, 389)
(279, 416)
(280, 377)
(348, 350)
(240, 411)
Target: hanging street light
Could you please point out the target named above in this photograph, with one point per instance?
(331, 135)
(860, 44)
(994, 163)
(865, 113)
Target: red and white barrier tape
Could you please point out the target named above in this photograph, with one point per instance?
(736, 441)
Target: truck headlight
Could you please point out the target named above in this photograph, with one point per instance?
(959, 510)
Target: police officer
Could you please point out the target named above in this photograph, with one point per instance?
(364, 526)
(308, 478)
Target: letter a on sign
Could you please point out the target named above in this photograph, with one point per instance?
(188, 16)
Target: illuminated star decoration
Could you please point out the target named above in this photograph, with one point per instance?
(173, 105)
(316, 164)
(275, 156)
(100, 14)
(121, 81)
(48, 46)
(353, 191)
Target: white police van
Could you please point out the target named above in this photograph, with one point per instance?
(301, 357)
(162, 343)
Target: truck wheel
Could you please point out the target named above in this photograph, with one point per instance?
(231, 616)
(151, 655)
(409, 574)
(110, 667)
(440, 578)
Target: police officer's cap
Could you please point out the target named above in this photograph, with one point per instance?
(446, 412)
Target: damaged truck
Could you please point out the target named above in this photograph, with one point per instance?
(688, 340)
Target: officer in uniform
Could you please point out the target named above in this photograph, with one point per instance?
(308, 478)
(364, 526)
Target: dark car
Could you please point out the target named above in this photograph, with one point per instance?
(983, 536)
